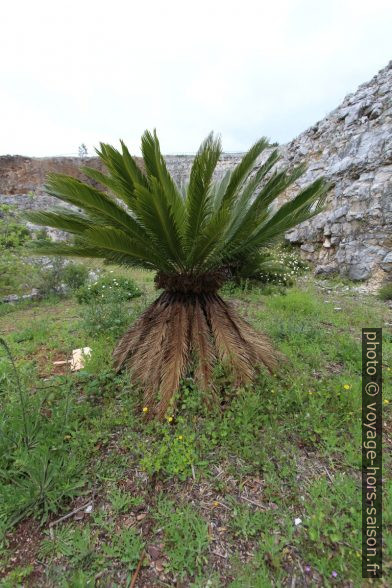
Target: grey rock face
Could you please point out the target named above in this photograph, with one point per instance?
(386, 263)
(352, 147)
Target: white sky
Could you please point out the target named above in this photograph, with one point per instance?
(90, 71)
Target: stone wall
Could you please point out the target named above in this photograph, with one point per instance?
(351, 146)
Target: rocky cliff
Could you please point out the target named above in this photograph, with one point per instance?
(351, 146)
(22, 179)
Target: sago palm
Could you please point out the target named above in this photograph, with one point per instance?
(194, 237)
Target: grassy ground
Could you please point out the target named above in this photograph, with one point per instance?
(264, 491)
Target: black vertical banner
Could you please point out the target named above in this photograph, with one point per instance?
(371, 453)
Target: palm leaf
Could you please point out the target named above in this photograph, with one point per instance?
(156, 215)
(119, 242)
(241, 172)
(198, 202)
(62, 219)
(158, 172)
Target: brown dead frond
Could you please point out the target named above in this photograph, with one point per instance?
(263, 349)
(177, 349)
(232, 349)
(135, 335)
(148, 359)
(157, 349)
(202, 345)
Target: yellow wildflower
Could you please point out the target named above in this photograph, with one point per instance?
(386, 401)
(216, 503)
(180, 437)
(169, 419)
(347, 386)
(145, 409)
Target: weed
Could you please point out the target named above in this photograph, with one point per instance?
(17, 576)
(26, 437)
(77, 544)
(253, 575)
(173, 453)
(385, 292)
(125, 547)
(185, 536)
(247, 522)
(40, 483)
(123, 501)
(100, 318)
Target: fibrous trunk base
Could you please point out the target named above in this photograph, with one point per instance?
(180, 328)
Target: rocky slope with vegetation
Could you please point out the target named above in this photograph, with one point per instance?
(351, 146)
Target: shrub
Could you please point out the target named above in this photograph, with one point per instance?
(279, 266)
(289, 266)
(75, 275)
(385, 292)
(51, 279)
(13, 235)
(99, 317)
(108, 289)
(12, 232)
(17, 275)
(61, 276)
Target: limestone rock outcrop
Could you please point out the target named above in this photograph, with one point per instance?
(352, 147)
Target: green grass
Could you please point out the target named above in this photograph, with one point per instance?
(209, 497)
(185, 537)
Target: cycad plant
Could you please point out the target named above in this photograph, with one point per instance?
(194, 237)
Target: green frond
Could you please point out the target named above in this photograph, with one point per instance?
(209, 246)
(95, 204)
(199, 197)
(219, 188)
(158, 172)
(146, 220)
(307, 204)
(250, 189)
(241, 172)
(248, 204)
(62, 219)
(157, 217)
(121, 180)
(83, 250)
(256, 211)
(102, 178)
(64, 249)
(83, 196)
(118, 242)
(134, 171)
(148, 148)
(278, 183)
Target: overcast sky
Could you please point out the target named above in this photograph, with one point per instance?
(90, 71)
